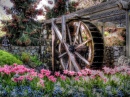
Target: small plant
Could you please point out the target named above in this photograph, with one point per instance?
(34, 59)
(8, 58)
(25, 57)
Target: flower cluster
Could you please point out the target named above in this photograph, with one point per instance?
(20, 73)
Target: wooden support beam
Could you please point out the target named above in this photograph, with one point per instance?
(97, 12)
(128, 33)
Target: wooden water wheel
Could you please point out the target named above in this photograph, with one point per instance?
(83, 48)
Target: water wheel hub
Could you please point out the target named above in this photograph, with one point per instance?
(72, 48)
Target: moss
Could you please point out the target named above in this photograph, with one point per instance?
(8, 58)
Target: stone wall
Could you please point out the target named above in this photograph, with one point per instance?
(33, 50)
(111, 54)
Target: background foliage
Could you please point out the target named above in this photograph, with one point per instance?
(23, 29)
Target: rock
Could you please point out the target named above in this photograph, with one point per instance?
(123, 60)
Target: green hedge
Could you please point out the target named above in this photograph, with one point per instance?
(8, 58)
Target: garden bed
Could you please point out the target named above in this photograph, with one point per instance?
(19, 81)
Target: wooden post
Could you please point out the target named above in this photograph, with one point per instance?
(53, 48)
(128, 33)
(103, 30)
(63, 29)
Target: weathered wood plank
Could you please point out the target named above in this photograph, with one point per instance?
(107, 13)
(115, 19)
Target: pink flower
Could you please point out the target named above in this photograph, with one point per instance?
(117, 69)
(92, 76)
(105, 79)
(21, 78)
(15, 79)
(71, 73)
(94, 72)
(76, 78)
(7, 69)
(52, 78)
(40, 75)
(124, 68)
(15, 64)
(63, 77)
(79, 73)
(107, 70)
(128, 72)
(112, 71)
(101, 74)
(43, 71)
(46, 72)
(88, 71)
(66, 71)
(41, 83)
(34, 74)
(57, 74)
(84, 72)
(29, 78)
(20, 69)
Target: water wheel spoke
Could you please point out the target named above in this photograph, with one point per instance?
(82, 44)
(62, 63)
(72, 58)
(74, 62)
(61, 55)
(82, 58)
(77, 32)
(67, 65)
(82, 48)
(80, 37)
(70, 40)
(70, 65)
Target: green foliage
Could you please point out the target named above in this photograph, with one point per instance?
(30, 60)
(25, 57)
(7, 58)
(35, 60)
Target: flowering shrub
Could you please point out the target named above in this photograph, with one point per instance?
(17, 81)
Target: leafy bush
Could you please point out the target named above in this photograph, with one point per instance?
(25, 57)
(8, 58)
(35, 60)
